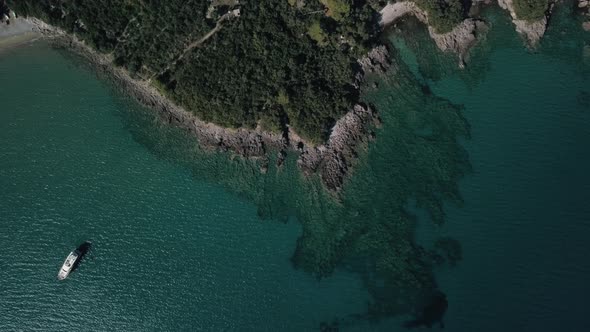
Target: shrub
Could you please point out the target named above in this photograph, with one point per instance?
(530, 10)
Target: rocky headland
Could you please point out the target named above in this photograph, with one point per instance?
(584, 6)
(333, 160)
(458, 41)
(531, 30)
(466, 34)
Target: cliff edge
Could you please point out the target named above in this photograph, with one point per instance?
(531, 30)
(458, 41)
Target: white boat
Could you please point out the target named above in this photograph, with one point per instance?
(68, 265)
(72, 260)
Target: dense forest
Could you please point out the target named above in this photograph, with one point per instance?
(272, 62)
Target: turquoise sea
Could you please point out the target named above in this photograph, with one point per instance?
(183, 240)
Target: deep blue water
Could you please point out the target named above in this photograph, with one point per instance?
(526, 221)
(525, 224)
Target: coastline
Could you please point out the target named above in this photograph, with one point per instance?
(458, 41)
(531, 31)
(332, 161)
(16, 33)
(17, 40)
(465, 35)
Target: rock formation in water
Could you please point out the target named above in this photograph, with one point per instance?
(584, 6)
(459, 40)
(334, 160)
(531, 30)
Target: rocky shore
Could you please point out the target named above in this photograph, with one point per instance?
(457, 41)
(584, 6)
(333, 160)
(531, 31)
(466, 34)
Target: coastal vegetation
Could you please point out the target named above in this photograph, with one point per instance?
(274, 63)
(530, 10)
(443, 15)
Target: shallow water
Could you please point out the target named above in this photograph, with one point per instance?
(170, 252)
(185, 240)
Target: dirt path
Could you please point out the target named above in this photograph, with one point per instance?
(227, 16)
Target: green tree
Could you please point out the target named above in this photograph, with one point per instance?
(530, 10)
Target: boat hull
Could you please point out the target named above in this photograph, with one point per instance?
(73, 260)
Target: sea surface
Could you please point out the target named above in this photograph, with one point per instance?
(185, 240)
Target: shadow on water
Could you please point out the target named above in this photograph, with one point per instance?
(83, 250)
(432, 312)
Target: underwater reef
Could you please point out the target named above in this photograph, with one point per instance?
(415, 159)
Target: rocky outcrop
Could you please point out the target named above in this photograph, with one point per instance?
(334, 160)
(377, 61)
(584, 6)
(460, 39)
(457, 41)
(531, 31)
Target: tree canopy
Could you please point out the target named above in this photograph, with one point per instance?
(280, 62)
(443, 15)
(530, 10)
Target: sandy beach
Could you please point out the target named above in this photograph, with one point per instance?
(394, 11)
(18, 32)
